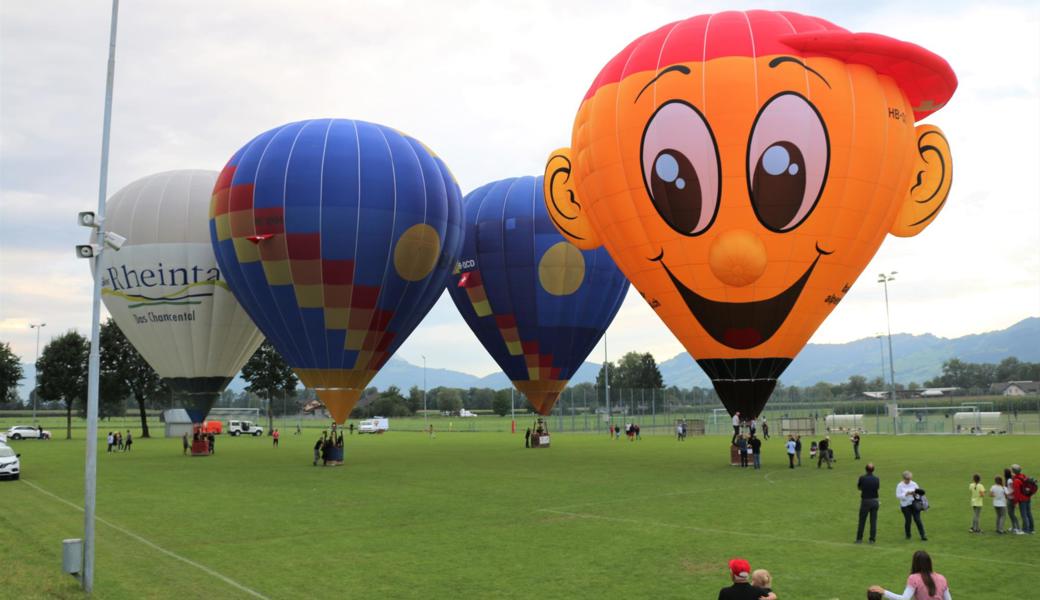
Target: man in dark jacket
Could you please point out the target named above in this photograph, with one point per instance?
(740, 572)
(868, 485)
(755, 446)
(825, 453)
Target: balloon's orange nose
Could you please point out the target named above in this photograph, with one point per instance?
(737, 257)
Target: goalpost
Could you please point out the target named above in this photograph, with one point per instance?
(955, 419)
(797, 426)
(225, 413)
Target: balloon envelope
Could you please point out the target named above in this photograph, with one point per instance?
(337, 237)
(166, 293)
(742, 168)
(537, 303)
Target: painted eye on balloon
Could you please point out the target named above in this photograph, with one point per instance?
(681, 169)
(788, 157)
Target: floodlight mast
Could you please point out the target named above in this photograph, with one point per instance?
(36, 374)
(883, 279)
(90, 475)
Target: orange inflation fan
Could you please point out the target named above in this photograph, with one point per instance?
(742, 169)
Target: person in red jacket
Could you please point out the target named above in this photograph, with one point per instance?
(1024, 501)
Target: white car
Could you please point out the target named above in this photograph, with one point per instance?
(237, 428)
(9, 465)
(19, 432)
(374, 425)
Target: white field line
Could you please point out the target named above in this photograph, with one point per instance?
(756, 535)
(152, 545)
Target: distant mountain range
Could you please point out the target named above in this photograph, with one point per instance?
(917, 358)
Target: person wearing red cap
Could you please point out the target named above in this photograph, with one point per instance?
(740, 573)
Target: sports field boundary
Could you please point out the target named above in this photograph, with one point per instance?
(152, 545)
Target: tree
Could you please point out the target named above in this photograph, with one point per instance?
(449, 400)
(501, 404)
(10, 375)
(62, 372)
(415, 399)
(124, 372)
(268, 376)
(856, 385)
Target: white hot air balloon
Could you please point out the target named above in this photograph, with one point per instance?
(165, 290)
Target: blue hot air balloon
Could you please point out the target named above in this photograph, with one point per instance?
(337, 237)
(537, 303)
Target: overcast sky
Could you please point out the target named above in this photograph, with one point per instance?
(491, 87)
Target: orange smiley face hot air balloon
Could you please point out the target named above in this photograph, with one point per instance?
(742, 168)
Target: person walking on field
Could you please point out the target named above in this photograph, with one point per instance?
(798, 449)
(274, 437)
(184, 438)
(907, 492)
(765, 428)
(868, 485)
(736, 427)
(977, 492)
(790, 451)
(996, 491)
(129, 440)
(855, 444)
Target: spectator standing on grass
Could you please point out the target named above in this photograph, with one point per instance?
(742, 448)
(111, 440)
(791, 446)
(868, 486)
(825, 453)
(740, 573)
(798, 449)
(678, 432)
(922, 584)
(184, 438)
(317, 448)
(350, 426)
(753, 426)
(1009, 492)
(1023, 490)
(765, 428)
(755, 450)
(855, 444)
(997, 492)
(119, 441)
(212, 439)
(527, 438)
(977, 492)
(736, 427)
(907, 492)
(129, 440)
(274, 437)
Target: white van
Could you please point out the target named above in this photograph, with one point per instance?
(466, 413)
(374, 425)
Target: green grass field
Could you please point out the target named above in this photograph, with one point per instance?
(474, 515)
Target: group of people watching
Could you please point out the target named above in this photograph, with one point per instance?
(750, 424)
(329, 447)
(118, 442)
(631, 430)
(922, 583)
(749, 447)
(1010, 491)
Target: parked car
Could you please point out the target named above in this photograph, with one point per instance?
(9, 464)
(237, 428)
(19, 432)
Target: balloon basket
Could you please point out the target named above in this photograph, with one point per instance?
(200, 448)
(734, 455)
(540, 440)
(333, 457)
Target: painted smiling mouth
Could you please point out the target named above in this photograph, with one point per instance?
(742, 325)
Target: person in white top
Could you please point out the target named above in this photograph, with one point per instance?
(907, 491)
(999, 495)
(736, 427)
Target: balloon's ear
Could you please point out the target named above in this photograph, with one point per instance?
(929, 185)
(562, 202)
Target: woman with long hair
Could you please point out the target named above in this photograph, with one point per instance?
(922, 584)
